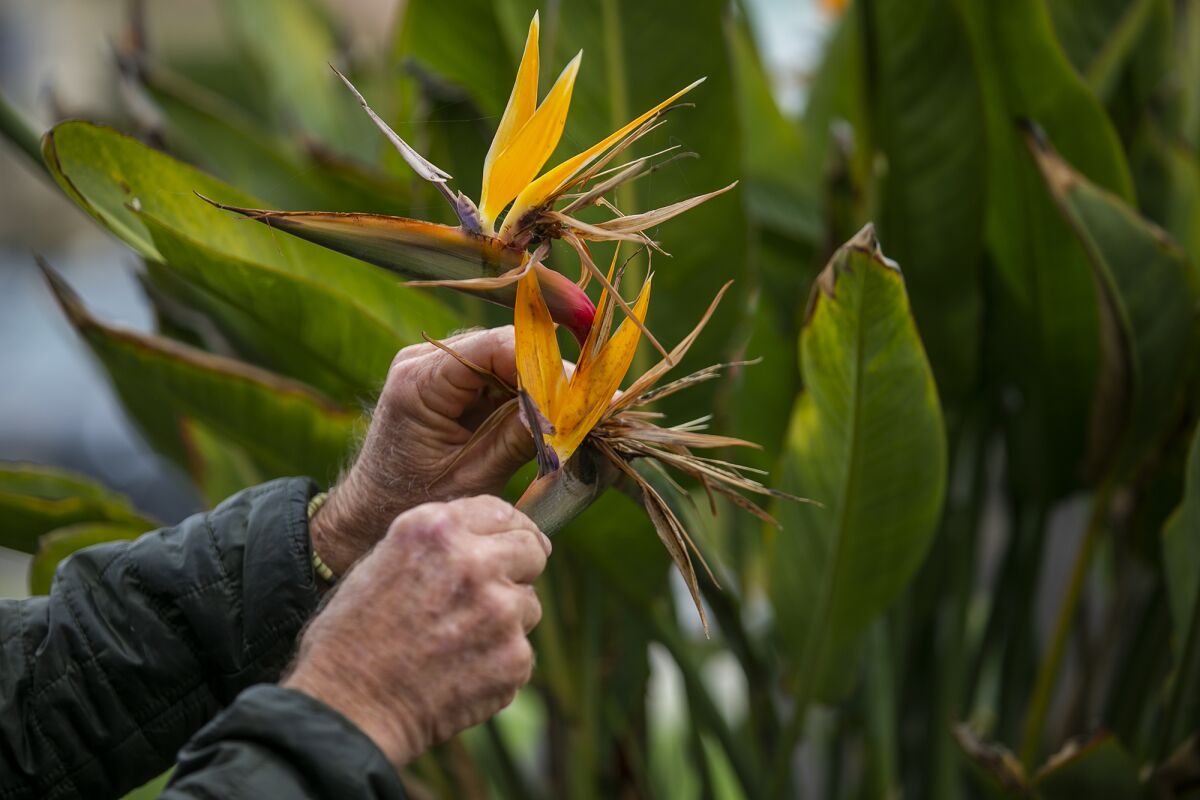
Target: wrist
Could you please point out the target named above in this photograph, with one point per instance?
(331, 535)
(391, 736)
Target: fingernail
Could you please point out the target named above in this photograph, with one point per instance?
(546, 543)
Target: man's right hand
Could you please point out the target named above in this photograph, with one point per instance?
(427, 635)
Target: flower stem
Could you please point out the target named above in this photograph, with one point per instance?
(18, 130)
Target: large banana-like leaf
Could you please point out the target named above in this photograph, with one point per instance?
(927, 116)
(464, 43)
(58, 544)
(116, 179)
(1181, 562)
(1147, 293)
(286, 427)
(299, 326)
(1168, 173)
(210, 130)
(291, 45)
(780, 192)
(1107, 38)
(36, 499)
(867, 442)
(1045, 341)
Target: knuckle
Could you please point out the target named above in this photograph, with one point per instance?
(474, 565)
(535, 606)
(516, 661)
(410, 352)
(508, 607)
(427, 524)
(488, 512)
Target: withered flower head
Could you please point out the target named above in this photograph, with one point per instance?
(582, 415)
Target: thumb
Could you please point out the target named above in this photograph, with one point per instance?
(508, 448)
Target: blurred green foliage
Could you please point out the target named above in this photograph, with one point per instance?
(1030, 164)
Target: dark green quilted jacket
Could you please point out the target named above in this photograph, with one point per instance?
(163, 651)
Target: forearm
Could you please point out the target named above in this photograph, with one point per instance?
(279, 743)
(139, 644)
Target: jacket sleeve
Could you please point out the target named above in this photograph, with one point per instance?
(279, 743)
(139, 644)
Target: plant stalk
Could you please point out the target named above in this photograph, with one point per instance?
(18, 130)
(883, 769)
(1047, 675)
(553, 500)
(961, 526)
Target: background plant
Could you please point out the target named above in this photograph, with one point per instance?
(1031, 167)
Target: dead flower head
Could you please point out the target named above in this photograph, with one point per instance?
(582, 414)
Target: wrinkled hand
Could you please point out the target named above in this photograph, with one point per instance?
(427, 635)
(429, 406)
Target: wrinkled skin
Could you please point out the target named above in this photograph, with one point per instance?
(427, 635)
(427, 410)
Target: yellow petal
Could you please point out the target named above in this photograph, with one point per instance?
(539, 361)
(592, 388)
(518, 163)
(521, 102)
(553, 181)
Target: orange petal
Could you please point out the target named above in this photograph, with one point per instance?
(518, 163)
(539, 361)
(521, 103)
(547, 186)
(592, 388)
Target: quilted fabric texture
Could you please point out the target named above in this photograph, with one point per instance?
(140, 644)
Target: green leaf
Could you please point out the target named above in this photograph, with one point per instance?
(110, 175)
(286, 427)
(460, 42)
(614, 536)
(835, 121)
(1181, 564)
(58, 544)
(1102, 37)
(219, 468)
(296, 324)
(1045, 340)
(292, 47)
(1188, 60)
(779, 193)
(1168, 175)
(1181, 547)
(927, 119)
(1099, 770)
(151, 789)
(212, 131)
(867, 443)
(35, 499)
(995, 769)
(1147, 295)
